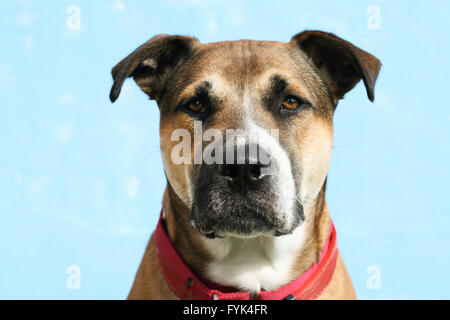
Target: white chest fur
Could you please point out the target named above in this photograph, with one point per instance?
(260, 263)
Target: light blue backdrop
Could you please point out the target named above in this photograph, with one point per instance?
(81, 179)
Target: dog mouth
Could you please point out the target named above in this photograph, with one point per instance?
(242, 217)
(238, 228)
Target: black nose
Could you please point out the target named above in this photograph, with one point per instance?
(246, 172)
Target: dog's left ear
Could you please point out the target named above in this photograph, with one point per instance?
(152, 64)
(340, 63)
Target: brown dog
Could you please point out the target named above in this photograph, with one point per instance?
(232, 223)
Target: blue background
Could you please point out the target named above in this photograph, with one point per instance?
(81, 180)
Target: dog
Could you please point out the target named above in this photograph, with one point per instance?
(235, 229)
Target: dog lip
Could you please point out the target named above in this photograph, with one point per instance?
(251, 235)
(212, 235)
(248, 218)
(216, 232)
(207, 233)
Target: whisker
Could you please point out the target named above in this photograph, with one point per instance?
(345, 145)
(149, 155)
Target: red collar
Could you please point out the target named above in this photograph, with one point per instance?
(186, 285)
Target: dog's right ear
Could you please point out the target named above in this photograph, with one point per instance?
(152, 64)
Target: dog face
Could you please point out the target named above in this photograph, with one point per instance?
(246, 126)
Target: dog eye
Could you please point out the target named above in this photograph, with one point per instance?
(195, 105)
(291, 103)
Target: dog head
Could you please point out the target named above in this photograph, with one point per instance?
(246, 126)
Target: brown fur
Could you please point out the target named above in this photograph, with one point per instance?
(317, 66)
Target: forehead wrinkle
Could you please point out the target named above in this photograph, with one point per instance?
(267, 79)
(241, 64)
(214, 85)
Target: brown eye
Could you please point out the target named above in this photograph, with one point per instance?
(195, 105)
(291, 103)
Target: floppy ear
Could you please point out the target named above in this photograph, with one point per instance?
(340, 63)
(152, 64)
